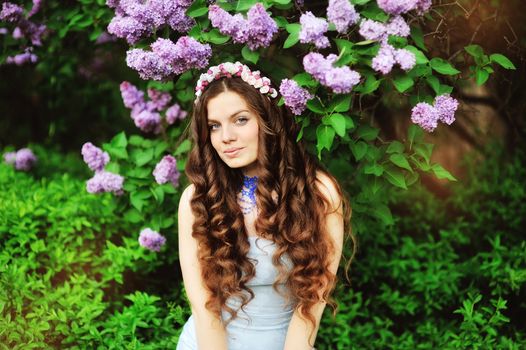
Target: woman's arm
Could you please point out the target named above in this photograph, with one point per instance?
(299, 328)
(211, 334)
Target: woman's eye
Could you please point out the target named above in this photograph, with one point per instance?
(212, 126)
(242, 120)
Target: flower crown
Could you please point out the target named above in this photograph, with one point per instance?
(229, 69)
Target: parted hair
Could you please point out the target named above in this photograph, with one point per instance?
(294, 219)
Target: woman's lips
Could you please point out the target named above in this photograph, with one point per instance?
(233, 152)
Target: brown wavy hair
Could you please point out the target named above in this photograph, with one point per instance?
(294, 221)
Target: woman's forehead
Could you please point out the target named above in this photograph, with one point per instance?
(225, 105)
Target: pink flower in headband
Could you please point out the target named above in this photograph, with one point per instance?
(229, 69)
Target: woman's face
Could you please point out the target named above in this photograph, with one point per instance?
(234, 131)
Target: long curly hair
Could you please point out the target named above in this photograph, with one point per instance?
(294, 220)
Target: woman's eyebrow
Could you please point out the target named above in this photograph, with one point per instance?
(232, 116)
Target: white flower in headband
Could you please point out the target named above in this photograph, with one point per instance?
(229, 69)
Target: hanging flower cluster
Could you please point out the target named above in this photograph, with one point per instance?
(167, 59)
(23, 159)
(428, 116)
(147, 114)
(295, 97)
(24, 28)
(340, 80)
(397, 7)
(257, 30)
(102, 181)
(166, 171)
(136, 19)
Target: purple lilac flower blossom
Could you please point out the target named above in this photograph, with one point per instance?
(398, 26)
(425, 115)
(174, 113)
(37, 4)
(313, 30)
(104, 181)
(342, 79)
(295, 97)
(422, 6)
(25, 159)
(147, 64)
(17, 33)
(166, 171)
(4, 31)
(148, 121)
(446, 106)
(186, 54)
(104, 38)
(151, 240)
(22, 58)
(10, 157)
(11, 12)
(127, 28)
(94, 157)
(405, 58)
(159, 99)
(339, 79)
(372, 30)
(179, 21)
(384, 60)
(234, 26)
(131, 96)
(261, 27)
(112, 3)
(342, 14)
(396, 7)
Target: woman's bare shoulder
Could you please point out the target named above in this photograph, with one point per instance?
(328, 188)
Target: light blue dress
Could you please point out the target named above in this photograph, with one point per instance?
(264, 324)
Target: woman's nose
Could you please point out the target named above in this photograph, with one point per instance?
(228, 134)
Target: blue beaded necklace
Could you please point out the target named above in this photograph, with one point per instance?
(247, 196)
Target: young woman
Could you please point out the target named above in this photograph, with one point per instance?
(262, 225)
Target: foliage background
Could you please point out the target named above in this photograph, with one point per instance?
(441, 265)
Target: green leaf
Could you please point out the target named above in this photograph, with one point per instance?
(400, 160)
(358, 149)
(424, 150)
(215, 37)
(325, 136)
(442, 173)
(158, 194)
(395, 147)
(305, 80)
(373, 169)
(291, 40)
(443, 67)
(142, 157)
(337, 121)
(502, 60)
(383, 212)
(197, 9)
(293, 28)
(368, 133)
(245, 5)
(344, 45)
(403, 82)
(183, 147)
(119, 140)
(340, 103)
(133, 216)
(418, 37)
(419, 55)
(396, 177)
(434, 83)
(370, 85)
(249, 55)
(414, 133)
(315, 106)
(474, 50)
(481, 76)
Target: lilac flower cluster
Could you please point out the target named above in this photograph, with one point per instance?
(388, 56)
(102, 181)
(342, 14)
(151, 240)
(24, 28)
(397, 7)
(23, 159)
(135, 19)
(167, 59)
(295, 97)
(313, 30)
(428, 116)
(257, 30)
(340, 79)
(166, 171)
(146, 114)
